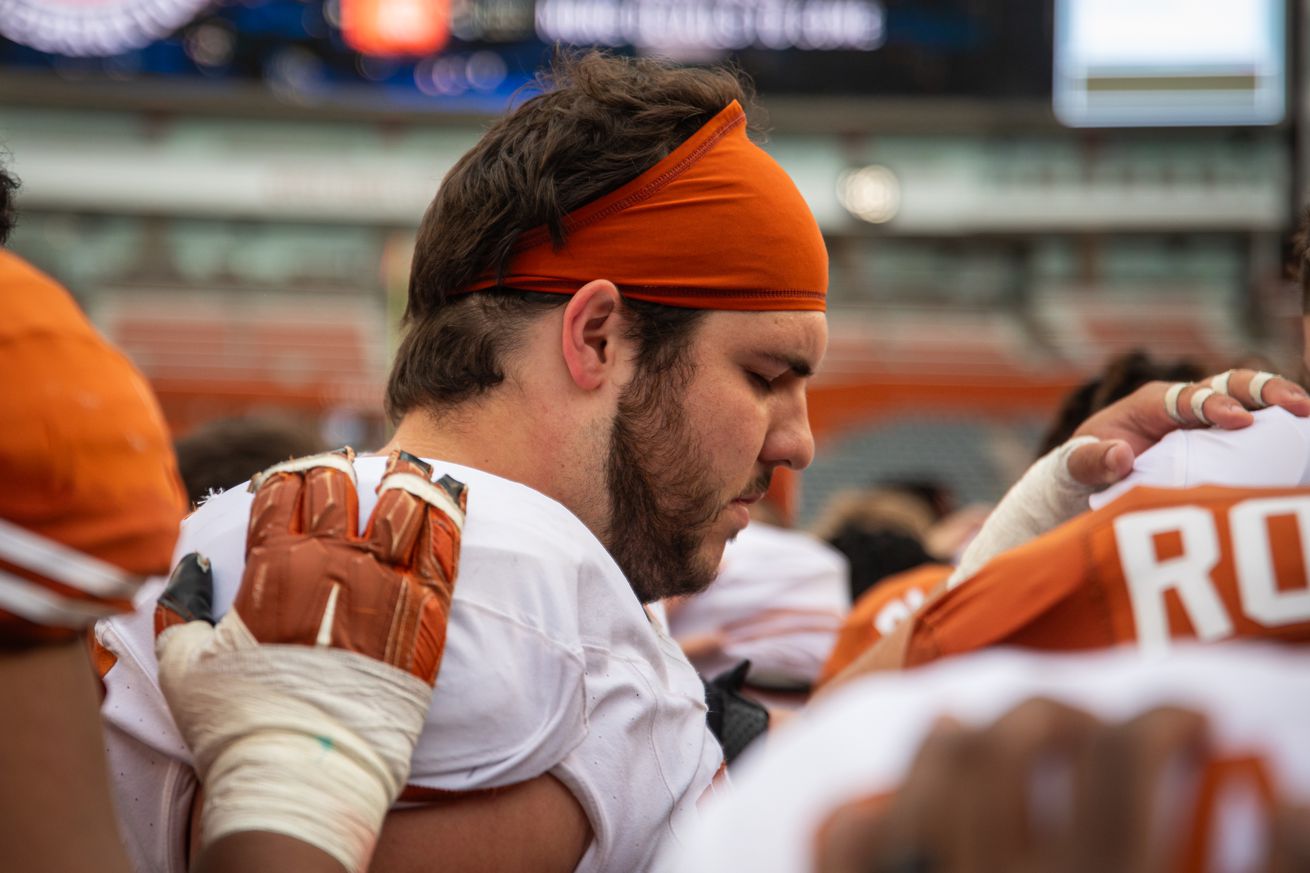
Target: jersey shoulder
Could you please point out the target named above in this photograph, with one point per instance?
(879, 611)
(1154, 564)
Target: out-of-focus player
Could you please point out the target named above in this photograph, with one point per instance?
(89, 508)
(302, 718)
(1011, 760)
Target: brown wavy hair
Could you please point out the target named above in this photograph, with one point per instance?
(599, 122)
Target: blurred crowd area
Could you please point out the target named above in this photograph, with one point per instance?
(1014, 195)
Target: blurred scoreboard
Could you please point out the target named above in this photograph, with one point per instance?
(1170, 62)
(462, 55)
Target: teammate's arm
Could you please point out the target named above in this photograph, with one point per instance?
(533, 827)
(303, 706)
(1102, 453)
(55, 788)
(971, 799)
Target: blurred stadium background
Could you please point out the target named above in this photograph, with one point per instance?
(1011, 192)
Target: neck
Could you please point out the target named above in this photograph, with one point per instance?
(507, 440)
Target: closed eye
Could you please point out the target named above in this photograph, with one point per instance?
(761, 383)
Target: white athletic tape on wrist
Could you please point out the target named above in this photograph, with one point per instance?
(1220, 383)
(1198, 404)
(1258, 383)
(1046, 496)
(1171, 401)
(306, 741)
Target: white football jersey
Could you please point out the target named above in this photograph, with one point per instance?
(551, 666)
(1274, 452)
(861, 741)
(778, 600)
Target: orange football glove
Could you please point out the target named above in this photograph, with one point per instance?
(303, 705)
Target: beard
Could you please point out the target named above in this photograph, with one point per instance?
(663, 503)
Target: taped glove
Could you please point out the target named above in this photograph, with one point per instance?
(303, 706)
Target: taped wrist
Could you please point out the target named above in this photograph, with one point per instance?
(310, 742)
(1046, 496)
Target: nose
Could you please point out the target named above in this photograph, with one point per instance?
(789, 441)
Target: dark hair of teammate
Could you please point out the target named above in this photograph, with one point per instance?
(1121, 377)
(225, 453)
(8, 208)
(1300, 265)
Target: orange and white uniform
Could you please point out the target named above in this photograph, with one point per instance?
(550, 666)
(1210, 563)
(880, 610)
(91, 498)
(778, 601)
(860, 742)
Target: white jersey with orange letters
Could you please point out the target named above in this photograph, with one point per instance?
(861, 741)
(551, 666)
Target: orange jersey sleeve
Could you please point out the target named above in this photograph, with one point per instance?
(1207, 563)
(879, 610)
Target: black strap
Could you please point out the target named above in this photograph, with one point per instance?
(734, 719)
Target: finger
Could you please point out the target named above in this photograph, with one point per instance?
(275, 510)
(1101, 463)
(410, 507)
(437, 552)
(1256, 390)
(1289, 849)
(434, 563)
(1201, 405)
(329, 504)
(1133, 777)
(1030, 754)
(853, 839)
(189, 595)
(1169, 747)
(401, 512)
(279, 494)
(931, 812)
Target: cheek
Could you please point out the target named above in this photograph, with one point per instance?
(731, 427)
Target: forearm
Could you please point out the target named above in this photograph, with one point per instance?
(55, 791)
(263, 852)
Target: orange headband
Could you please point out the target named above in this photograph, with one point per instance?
(715, 225)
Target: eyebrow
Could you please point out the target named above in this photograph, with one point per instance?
(797, 366)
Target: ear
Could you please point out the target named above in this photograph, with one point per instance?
(593, 330)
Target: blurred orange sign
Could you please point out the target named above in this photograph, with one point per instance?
(395, 27)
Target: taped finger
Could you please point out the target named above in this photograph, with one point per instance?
(329, 503)
(1257, 387)
(404, 495)
(1220, 383)
(1171, 401)
(279, 494)
(437, 555)
(1199, 396)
